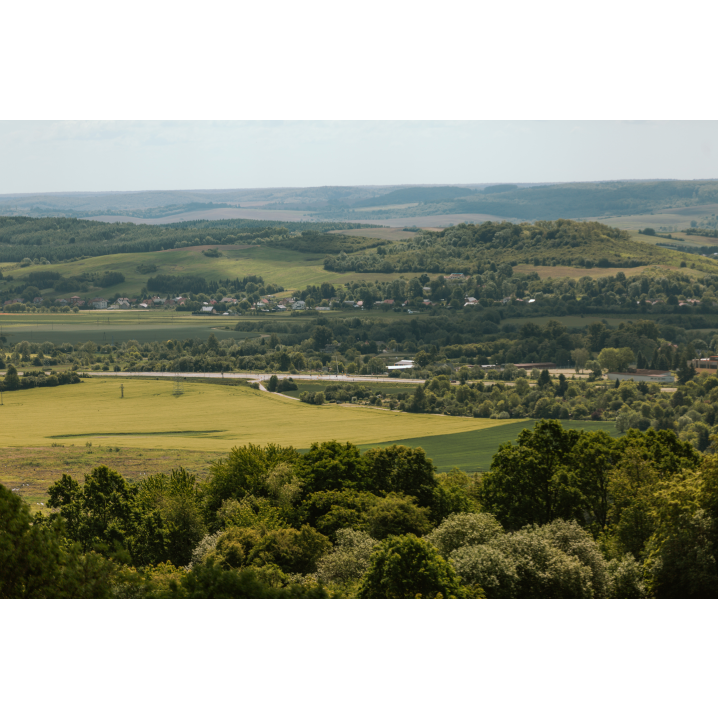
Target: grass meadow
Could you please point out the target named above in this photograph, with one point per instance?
(115, 326)
(292, 270)
(473, 450)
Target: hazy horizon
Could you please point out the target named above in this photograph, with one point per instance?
(40, 157)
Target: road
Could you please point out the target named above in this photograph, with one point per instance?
(257, 377)
(265, 377)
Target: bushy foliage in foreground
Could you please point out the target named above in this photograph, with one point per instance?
(561, 514)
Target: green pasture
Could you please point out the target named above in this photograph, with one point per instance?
(473, 450)
(292, 270)
(109, 327)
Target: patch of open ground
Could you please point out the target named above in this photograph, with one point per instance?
(29, 470)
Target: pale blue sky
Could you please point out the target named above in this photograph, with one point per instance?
(48, 156)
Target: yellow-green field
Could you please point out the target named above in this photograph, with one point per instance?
(105, 327)
(205, 418)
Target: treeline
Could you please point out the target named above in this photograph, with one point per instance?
(498, 288)
(545, 202)
(594, 517)
(34, 379)
(440, 344)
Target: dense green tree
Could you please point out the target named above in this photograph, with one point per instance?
(632, 484)
(396, 515)
(530, 483)
(11, 381)
(210, 580)
(401, 469)
(36, 560)
(245, 471)
(592, 458)
(170, 522)
(332, 466)
(408, 567)
(98, 514)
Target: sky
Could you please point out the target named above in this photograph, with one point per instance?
(65, 156)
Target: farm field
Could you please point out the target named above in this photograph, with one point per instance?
(206, 417)
(114, 327)
(690, 240)
(677, 216)
(473, 450)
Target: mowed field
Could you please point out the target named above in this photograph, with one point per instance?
(205, 417)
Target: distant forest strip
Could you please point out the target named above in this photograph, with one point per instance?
(588, 199)
(58, 238)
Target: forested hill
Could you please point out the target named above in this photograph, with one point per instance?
(575, 200)
(467, 248)
(416, 194)
(58, 238)
(592, 199)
